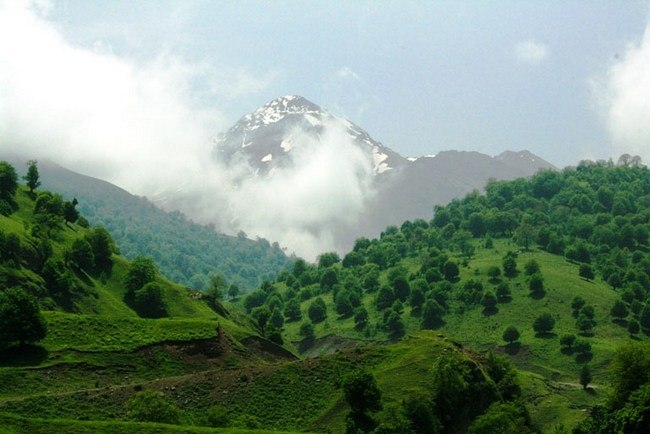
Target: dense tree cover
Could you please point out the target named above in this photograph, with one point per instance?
(596, 215)
(184, 251)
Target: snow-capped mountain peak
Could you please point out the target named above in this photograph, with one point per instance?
(266, 138)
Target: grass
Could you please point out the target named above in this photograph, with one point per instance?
(12, 424)
(536, 357)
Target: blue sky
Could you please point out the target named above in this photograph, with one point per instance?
(419, 76)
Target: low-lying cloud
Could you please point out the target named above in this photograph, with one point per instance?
(138, 125)
(625, 98)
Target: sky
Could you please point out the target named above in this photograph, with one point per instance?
(134, 92)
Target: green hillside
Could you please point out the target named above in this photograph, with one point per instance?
(185, 252)
(572, 245)
(524, 309)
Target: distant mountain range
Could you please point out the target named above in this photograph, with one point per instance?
(274, 138)
(293, 173)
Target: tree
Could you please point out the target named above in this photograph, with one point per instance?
(511, 334)
(503, 292)
(343, 305)
(361, 317)
(70, 213)
(567, 341)
(306, 331)
(585, 324)
(531, 267)
(451, 271)
(141, 271)
(536, 284)
(385, 298)
(103, 247)
(585, 376)
(576, 304)
(586, 271)
(317, 310)
(20, 318)
(292, 310)
(401, 288)
(394, 323)
(489, 300)
(216, 288)
(148, 301)
(8, 182)
(150, 406)
(277, 319)
(361, 392)
(633, 327)
(494, 272)
(581, 346)
(233, 291)
(81, 254)
(509, 265)
(544, 324)
(619, 310)
(431, 314)
(32, 176)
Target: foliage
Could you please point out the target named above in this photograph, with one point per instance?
(511, 334)
(585, 376)
(317, 310)
(20, 318)
(361, 392)
(544, 324)
(151, 406)
(32, 176)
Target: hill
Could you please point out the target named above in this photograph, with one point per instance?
(185, 252)
(561, 257)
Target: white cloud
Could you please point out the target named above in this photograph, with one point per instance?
(625, 99)
(133, 124)
(531, 52)
(234, 83)
(348, 74)
(138, 125)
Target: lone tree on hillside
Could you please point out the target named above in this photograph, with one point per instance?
(511, 335)
(20, 318)
(585, 376)
(32, 176)
(363, 396)
(544, 324)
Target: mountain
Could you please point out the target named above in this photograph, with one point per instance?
(276, 138)
(268, 138)
(184, 251)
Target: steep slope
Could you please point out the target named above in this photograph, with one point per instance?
(186, 252)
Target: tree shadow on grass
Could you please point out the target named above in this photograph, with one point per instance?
(545, 335)
(513, 348)
(620, 322)
(25, 355)
(567, 351)
(537, 295)
(489, 311)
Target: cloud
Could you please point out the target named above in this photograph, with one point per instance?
(303, 206)
(624, 98)
(140, 125)
(130, 123)
(531, 52)
(347, 74)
